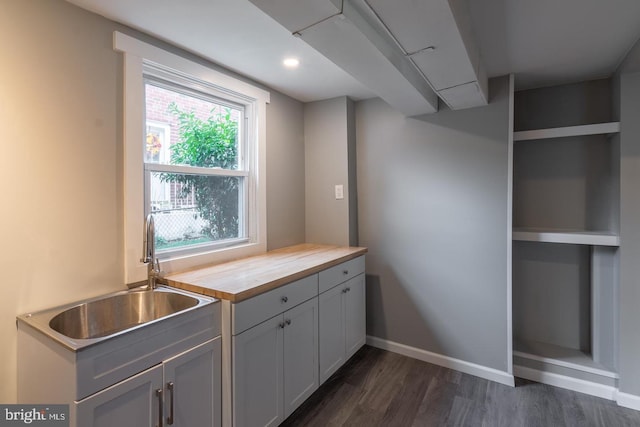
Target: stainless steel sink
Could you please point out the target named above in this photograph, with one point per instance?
(116, 313)
(88, 322)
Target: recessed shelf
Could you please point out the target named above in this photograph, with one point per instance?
(563, 132)
(560, 356)
(575, 237)
(566, 203)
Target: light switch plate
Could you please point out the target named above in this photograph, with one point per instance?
(339, 192)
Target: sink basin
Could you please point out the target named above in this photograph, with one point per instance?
(116, 313)
(89, 322)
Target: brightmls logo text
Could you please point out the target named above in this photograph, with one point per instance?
(37, 415)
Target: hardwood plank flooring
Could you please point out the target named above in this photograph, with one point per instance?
(379, 388)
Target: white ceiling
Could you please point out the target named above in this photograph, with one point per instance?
(548, 42)
(543, 42)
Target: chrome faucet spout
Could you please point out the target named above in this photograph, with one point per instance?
(149, 253)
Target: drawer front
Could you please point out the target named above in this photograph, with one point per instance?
(119, 358)
(254, 310)
(340, 273)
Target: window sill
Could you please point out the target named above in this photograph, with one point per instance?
(175, 264)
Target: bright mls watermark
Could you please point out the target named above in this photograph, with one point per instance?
(36, 415)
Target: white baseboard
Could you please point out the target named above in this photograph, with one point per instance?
(445, 361)
(563, 381)
(627, 400)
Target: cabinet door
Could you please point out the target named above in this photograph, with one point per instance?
(257, 375)
(331, 327)
(300, 354)
(130, 403)
(192, 384)
(355, 315)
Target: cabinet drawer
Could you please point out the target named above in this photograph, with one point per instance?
(340, 273)
(254, 310)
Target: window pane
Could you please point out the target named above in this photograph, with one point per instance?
(195, 209)
(183, 129)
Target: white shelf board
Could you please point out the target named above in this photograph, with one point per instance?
(594, 129)
(560, 356)
(575, 237)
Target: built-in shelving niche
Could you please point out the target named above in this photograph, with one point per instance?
(565, 236)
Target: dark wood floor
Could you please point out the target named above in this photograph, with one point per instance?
(379, 388)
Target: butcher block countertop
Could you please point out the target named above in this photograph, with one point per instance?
(244, 278)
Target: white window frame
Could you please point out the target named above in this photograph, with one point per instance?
(245, 153)
(137, 56)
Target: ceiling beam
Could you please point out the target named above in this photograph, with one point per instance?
(336, 30)
(437, 37)
(408, 53)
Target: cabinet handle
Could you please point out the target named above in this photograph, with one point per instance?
(348, 289)
(170, 417)
(345, 272)
(281, 325)
(288, 321)
(160, 408)
(344, 291)
(284, 299)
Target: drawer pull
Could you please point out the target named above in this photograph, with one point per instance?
(348, 289)
(170, 417)
(281, 325)
(288, 321)
(284, 299)
(344, 291)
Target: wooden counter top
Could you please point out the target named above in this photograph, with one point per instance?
(248, 277)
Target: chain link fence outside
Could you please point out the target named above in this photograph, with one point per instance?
(179, 226)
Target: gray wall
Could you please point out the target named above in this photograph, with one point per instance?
(629, 355)
(61, 163)
(352, 165)
(432, 201)
(567, 105)
(631, 63)
(285, 172)
(329, 141)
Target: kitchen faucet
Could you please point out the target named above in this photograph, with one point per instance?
(149, 253)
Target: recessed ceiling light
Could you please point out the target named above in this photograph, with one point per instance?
(291, 62)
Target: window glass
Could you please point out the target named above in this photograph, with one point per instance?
(194, 169)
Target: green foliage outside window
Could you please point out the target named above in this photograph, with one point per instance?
(210, 143)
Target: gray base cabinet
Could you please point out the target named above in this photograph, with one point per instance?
(130, 403)
(286, 341)
(257, 375)
(193, 387)
(275, 366)
(300, 354)
(354, 302)
(342, 324)
(332, 332)
(183, 391)
(167, 372)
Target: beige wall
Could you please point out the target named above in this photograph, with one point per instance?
(60, 164)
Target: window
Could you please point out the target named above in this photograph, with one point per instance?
(196, 173)
(194, 158)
